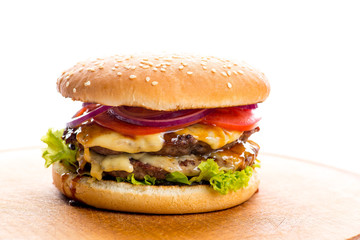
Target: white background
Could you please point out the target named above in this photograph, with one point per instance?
(310, 51)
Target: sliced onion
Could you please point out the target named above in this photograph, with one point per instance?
(80, 119)
(153, 114)
(167, 119)
(247, 107)
(85, 104)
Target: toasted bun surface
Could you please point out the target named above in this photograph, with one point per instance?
(147, 199)
(164, 82)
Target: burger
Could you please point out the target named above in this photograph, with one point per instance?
(161, 134)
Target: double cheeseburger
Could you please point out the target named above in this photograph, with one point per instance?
(163, 134)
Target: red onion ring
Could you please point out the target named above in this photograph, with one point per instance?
(153, 114)
(173, 118)
(147, 118)
(86, 104)
(82, 118)
(247, 107)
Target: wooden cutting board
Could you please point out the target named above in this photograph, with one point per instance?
(296, 200)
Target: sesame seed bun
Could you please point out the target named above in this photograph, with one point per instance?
(147, 199)
(166, 82)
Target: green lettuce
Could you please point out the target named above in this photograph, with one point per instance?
(220, 180)
(178, 177)
(131, 179)
(57, 149)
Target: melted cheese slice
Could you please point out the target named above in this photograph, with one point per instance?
(93, 135)
(121, 162)
(216, 137)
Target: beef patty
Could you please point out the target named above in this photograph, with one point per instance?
(174, 144)
(181, 145)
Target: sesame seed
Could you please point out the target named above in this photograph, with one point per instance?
(189, 73)
(184, 64)
(119, 73)
(127, 67)
(91, 69)
(203, 63)
(113, 69)
(145, 59)
(133, 67)
(235, 72)
(229, 85)
(150, 64)
(67, 77)
(154, 83)
(213, 70)
(181, 67)
(147, 79)
(224, 74)
(116, 65)
(119, 60)
(158, 65)
(101, 66)
(155, 69)
(87, 83)
(67, 84)
(204, 67)
(132, 77)
(145, 66)
(162, 69)
(80, 69)
(240, 72)
(74, 90)
(229, 73)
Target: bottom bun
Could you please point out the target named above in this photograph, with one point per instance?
(127, 197)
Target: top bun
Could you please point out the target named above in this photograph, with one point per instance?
(164, 82)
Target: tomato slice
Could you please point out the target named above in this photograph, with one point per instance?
(232, 119)
(80, 112)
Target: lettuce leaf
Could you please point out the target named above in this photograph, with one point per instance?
(131, 179)
(208, 170)
(178, 177)
(57, 149)
(231, 180)
(220, 180)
